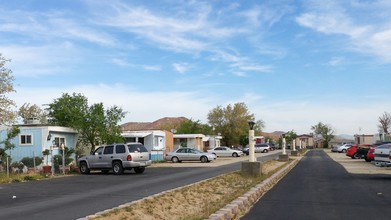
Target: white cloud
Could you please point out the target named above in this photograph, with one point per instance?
(334, 18)
(336, 61)
(39, 60)
(181, 67)
(140, 105)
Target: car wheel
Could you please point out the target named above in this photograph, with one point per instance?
(367, 159)
(84, 168)
(204, 159)
(105, 171)
(139, 169)
(235, 155)
(356, 156)
(265, 151)
(343, 151)
(175, 159)
(117, 168)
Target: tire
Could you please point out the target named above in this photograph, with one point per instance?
(343, 151)
(235, 154)
(104, 171)
(355, 156)
(204, 159)
(366, 159)
(175, 159)
(84, 168)
(117, 168)
(265, 151)
(139, 170)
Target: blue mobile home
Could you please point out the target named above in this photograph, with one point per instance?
(33, 139)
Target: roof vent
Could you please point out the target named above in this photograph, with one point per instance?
(31, 121)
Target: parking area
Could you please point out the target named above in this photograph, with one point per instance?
(357, 166)
(218, 162)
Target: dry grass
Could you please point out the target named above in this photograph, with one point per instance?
(197, 201)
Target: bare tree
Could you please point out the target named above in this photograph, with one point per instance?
(385, 122)
(7, 115)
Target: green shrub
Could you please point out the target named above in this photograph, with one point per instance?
(28, 178)
(29, 162)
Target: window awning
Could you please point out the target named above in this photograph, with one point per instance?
(136, 134)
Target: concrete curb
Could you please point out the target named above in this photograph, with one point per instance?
(241, 205)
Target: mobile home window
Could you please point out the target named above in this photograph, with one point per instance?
(59, 141)
(26, 139)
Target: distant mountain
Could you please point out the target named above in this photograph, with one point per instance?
(345, 136)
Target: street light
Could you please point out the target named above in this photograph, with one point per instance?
(251, 141)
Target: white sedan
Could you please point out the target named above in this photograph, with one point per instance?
(189, 154)
(383, 155)
(225, 152)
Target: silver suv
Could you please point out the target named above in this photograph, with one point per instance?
(116, 157)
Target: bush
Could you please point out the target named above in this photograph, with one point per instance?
(17, 165)
(29, 162)
(58, 161)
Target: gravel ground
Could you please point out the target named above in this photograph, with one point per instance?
(357, 166)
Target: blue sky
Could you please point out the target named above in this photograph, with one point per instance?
(293, 63)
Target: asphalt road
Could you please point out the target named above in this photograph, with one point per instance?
(78, 196)
(320, 188)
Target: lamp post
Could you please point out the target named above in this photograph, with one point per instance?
(283, 145)
(251, 141)
(251, 167)
(283, 156)
(63, 158)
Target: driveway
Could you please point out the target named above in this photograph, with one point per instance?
(357, 166)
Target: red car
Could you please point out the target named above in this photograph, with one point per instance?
(371, 154)
(351, 151)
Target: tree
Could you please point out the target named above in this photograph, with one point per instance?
(7, 116)
(290, 136)
(232, 122)
(8, 145)
(94, 124)
(384, 122)
(31, 111)
(325, 131)
(194, 127)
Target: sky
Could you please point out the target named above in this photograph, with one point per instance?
(293, 63)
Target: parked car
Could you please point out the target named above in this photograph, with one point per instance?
(341, 148)
(116, 157)
(246, 150)
(362, 151)
(262, 148)
(371, 154)
(383, 155)
(189, 154)
(225, 152)
(351, 151)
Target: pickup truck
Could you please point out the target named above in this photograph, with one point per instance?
(383, 155)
